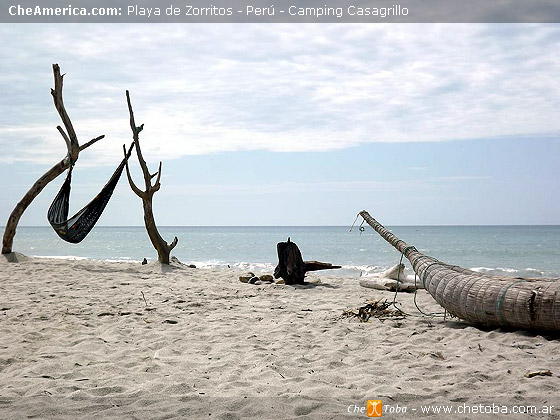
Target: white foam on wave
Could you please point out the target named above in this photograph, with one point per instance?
(484, 270)
(77, 258)
(123, 259)
(508, 270)
(61, 257)
(242, 265)
(268, 268)
(504, 271)
(347, 270)
(534, 270)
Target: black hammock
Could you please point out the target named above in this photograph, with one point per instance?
(76, 228)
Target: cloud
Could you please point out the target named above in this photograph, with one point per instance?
(203, 89)
(315, 187)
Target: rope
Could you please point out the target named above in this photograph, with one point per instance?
(429, 314)
(397, 288)
(355, 220)
(399, 278)
(361, 228)
(409, 248)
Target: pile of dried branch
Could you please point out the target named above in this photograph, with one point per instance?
(379, 309)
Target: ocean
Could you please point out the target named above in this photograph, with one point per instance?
(524, 251)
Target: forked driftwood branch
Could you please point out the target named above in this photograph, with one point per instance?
(161, 246)
(481, 299)
(74, 150)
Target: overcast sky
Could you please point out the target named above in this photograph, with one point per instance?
(294, 124)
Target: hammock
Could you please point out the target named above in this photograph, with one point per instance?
(76, 228)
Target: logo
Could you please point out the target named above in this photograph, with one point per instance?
(374, 408)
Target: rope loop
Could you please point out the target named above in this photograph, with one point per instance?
(409, 248)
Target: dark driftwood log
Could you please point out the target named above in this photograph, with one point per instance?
(74, 150)
(291, 266)
(161, 246)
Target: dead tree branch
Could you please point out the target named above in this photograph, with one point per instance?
(74, 150)
(161, 246)
(92, 141)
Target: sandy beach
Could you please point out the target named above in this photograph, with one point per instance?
(91, 339)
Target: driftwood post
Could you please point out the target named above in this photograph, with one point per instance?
(162, 247)
(291, 266)
(74, 150)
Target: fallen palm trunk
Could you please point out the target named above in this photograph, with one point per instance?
(478, 298)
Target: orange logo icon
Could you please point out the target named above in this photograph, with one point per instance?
(374, 408)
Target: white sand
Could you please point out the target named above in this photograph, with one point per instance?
(78, 341)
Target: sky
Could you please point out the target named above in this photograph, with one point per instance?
(292, 124)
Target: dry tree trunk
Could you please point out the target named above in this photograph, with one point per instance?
(74, 149)
(291, 266)
(161, 246)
